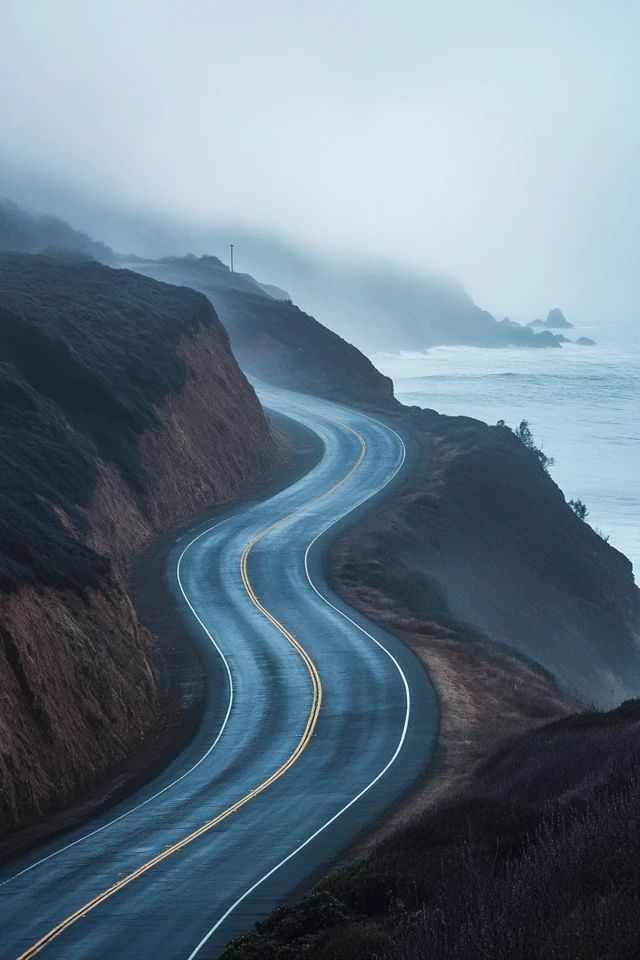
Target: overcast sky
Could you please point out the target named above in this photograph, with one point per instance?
(497, 141)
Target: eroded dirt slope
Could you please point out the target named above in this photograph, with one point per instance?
(122, 410)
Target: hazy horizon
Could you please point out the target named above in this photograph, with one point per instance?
(498, 146)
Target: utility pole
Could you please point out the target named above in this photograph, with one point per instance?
(231, 245)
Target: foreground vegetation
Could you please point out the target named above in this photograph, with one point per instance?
(539, 859)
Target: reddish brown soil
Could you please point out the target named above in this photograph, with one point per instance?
(79, 692)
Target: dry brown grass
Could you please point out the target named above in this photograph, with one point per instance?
(487, 696)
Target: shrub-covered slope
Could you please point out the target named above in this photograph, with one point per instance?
(122, 409)
(539, 860)
(376, 307)
(272, 338)
(481, 535)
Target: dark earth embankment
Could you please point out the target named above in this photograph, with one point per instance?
(481, 536)
(272, 338)
(123, 410)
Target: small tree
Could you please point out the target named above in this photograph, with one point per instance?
(524, 434)
(579, 508)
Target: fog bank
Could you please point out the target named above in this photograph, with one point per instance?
(497, 143)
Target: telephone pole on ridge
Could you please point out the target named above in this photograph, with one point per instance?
(231, 246)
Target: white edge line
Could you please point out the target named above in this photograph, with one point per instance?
(169, 786)
(173, 783)
(391, 657)
(182, 776)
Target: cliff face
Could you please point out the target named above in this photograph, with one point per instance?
(481, 537)
(273, 339)
(382, 308)
(122, 410)
(78, 693)
(376, 307)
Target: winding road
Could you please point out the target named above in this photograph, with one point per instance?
(316, 722)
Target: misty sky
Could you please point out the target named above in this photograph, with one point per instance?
(498, 141)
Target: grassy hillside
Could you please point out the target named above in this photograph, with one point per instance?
(91, 349)
(482, 536)
(375, 307)
(122, 410)
(100, 344)
(273, 339)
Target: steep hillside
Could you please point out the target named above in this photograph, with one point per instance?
(122, 410)
(273, 339)
(34, 233)
(377, 307)
(382, 308)
(482, 536)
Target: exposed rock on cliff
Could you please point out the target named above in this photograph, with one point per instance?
(273, 339)
(122, 410)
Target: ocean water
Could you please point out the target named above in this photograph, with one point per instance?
(582, 403)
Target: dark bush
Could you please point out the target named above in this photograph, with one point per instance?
(579, 508)
(524, 434)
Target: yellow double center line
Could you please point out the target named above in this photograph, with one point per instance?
(300, 746)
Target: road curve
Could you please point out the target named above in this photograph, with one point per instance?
(316, 722)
